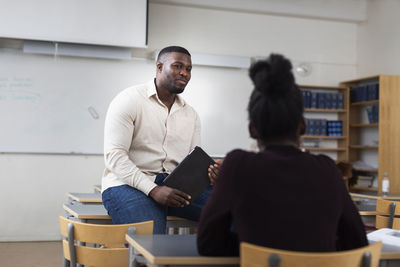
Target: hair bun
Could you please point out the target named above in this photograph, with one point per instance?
(273, 76)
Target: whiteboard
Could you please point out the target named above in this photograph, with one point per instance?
(47, 103)
(105, 22)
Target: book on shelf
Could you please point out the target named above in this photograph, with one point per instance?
(322, 100)
(339, 104)
(323, 127)
(334, 128)
(365, 180)
(361, 165)
(366, 92)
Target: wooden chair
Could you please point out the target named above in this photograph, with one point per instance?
(108, 242)
(388, 212)
(252, 255)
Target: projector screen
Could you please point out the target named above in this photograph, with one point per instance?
(101, 22)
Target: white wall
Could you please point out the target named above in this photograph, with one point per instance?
(34, 186)
(379, 39)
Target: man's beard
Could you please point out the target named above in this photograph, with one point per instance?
(175, 90)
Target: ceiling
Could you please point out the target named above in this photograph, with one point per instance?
(339, 10)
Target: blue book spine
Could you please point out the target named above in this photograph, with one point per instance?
(364, 93)
(317, 125)
(335, 100)
(340, 101)
(321, 101)
(309, 96)
(377, 91)
(358, 94)
(324, 127)
(329, 100)
(304, 93)
(339, 128)
(314, 100)
(370, 115)
(375, 113)
(353, 97)
(371, 91)
(307, 127)
(329, 128)
(312, 127)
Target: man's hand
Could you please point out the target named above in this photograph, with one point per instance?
(213, 171)
(168, 196)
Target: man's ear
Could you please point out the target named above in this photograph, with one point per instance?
(252, 130)
(302, 126)
(159, 67)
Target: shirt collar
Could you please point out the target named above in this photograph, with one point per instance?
(152, 92)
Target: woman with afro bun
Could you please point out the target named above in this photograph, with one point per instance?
(280, 197)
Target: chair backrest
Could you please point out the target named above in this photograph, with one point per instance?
(252, 255)
(387, 214)
(109, 242)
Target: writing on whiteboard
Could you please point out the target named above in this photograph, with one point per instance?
(17, 89)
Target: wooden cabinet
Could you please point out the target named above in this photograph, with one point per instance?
(330, 111)
(375, 141)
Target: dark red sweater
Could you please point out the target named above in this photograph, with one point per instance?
(281, 198)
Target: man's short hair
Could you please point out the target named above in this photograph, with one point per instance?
(170, 49)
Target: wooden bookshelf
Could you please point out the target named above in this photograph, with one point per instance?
(360, 125)
(340, 143)
(325, 110)
(363, 147)
(364, 170)
(364, 103)
(387, 130)
(323, 137)
(326, 149)
(369, 189)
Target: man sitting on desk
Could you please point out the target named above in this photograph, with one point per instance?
(149, 129)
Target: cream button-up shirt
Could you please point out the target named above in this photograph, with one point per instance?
(142, 139)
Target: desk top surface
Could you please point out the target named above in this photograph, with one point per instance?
(174, 249)
(182, 249)
(86, 197)
(87, 211)
(390, 197)
(389, 252)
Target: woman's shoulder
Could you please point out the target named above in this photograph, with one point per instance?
(324, 159)
(239, 153)
(237, 156)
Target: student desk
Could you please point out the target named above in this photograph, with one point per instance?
(160, 250)
(171, 250)
(92, 213)
(85, 197)
(96, 213)
(389, 258)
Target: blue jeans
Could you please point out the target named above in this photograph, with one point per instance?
(126, 204)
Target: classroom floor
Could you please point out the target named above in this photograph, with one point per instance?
(30, 254)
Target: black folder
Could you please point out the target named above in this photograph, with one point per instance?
(191, 175)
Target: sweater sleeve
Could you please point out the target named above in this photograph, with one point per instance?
(351, 232)
(214, 236)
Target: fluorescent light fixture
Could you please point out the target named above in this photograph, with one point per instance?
(77, 50)
(218, 60)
